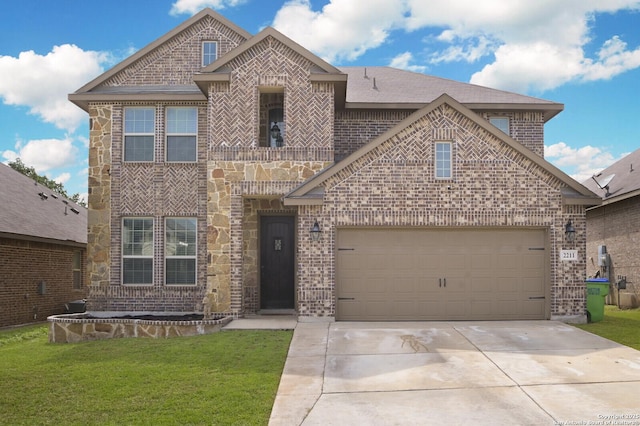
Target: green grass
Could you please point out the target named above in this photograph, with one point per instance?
(226, 378)
(619, 325)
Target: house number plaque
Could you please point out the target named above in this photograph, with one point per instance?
(569, 255)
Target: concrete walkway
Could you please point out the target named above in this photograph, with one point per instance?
(493, 373)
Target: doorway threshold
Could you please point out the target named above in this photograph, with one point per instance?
(276, 312)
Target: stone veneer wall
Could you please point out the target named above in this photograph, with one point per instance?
(79, 328)
(493, 186)
(238, 192)
(99, 201)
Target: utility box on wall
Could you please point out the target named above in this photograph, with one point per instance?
(42, 287)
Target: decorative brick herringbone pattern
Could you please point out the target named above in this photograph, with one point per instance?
(175, 61)
(308, 108)
(180, 199)
(136, 189)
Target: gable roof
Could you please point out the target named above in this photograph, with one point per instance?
(31, 211)
(386, 87)
(626, 182)
(216, 71)
(310, 192)
(90, 91)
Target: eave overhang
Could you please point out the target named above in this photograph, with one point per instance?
(84, 99)
(549, 110)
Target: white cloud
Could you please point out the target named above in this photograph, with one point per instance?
(44, 154)
(42, 83)
(63, 178)
(343, 29)
(466, 50)
(192, 7)
(582, 162)
(403, 61)
(536, 45)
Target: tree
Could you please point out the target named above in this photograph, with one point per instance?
(30, 172)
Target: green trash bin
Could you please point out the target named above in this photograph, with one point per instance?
(597, 290)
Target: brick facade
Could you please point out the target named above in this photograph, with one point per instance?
(236, 178)
(615, 225)
(393, 186)
(24, 265)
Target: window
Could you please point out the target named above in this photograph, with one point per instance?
(180, 251)
(137, 251)
(443, 160)
(182, 124)
(501, 123)
(209, 52)
(272, 132)
(76, 268)
(139, 125)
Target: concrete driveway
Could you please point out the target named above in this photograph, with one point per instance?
(494, 373)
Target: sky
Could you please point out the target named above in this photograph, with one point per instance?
(584, 54)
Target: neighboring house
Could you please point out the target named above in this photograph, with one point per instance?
(215, 155)
(615, 225)
(43, 240)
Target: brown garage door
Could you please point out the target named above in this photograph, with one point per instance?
(446, 274)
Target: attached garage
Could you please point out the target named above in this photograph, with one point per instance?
(407, 274)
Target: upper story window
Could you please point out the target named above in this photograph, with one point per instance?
(443, 160)
(272, 126)
(137, 250)
(501, 123)
(180, 250)
(182, 130)
(139, 128)
(209, 52)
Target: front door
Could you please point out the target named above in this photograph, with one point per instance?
(276, 262)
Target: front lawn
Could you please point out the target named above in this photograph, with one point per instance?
(619, 325)
(224, 378)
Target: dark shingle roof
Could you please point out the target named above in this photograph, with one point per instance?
(26, 213)
(626, 180)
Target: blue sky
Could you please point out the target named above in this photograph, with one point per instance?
(582, 53)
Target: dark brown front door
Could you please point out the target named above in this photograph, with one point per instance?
(276, 262)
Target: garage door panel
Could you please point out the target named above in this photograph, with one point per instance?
(400, 274)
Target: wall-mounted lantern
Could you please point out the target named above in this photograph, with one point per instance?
(569, 232)
(276, 134)
(315, 231)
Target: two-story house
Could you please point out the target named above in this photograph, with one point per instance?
(239, 173)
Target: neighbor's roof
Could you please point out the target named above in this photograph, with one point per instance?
(625, 182)
(395, 88)
(32, 211)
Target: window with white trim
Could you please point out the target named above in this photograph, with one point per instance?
(209, 52)
(76, 268)
(501, 123)
(137, 250)
(182, 130)
(180, 250)
(139, 133)
(443, 160)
